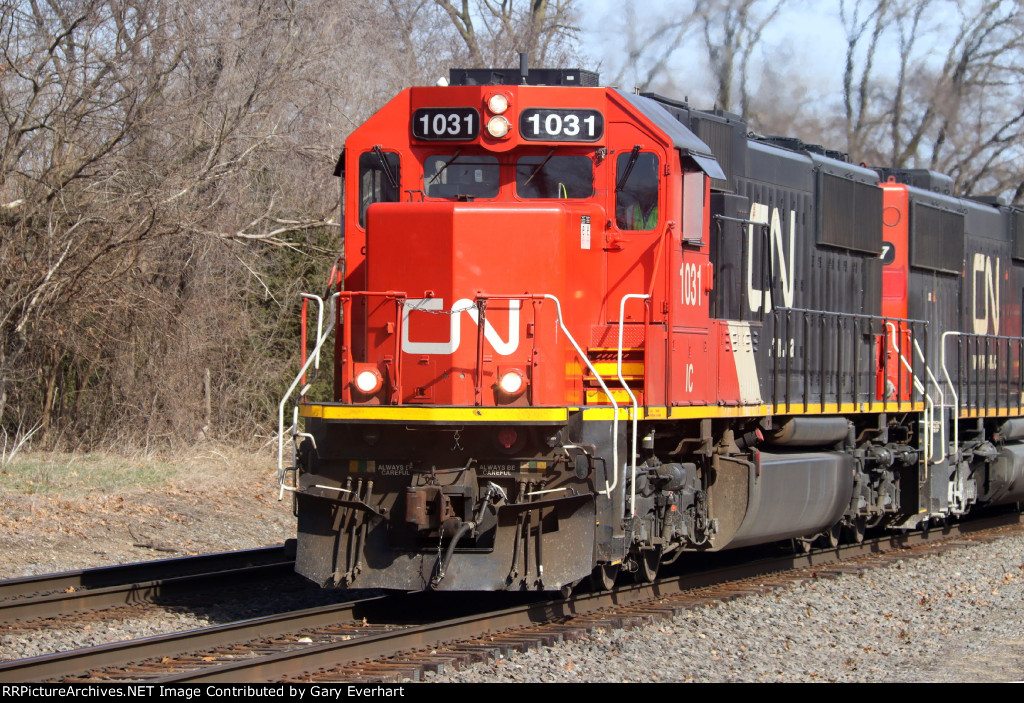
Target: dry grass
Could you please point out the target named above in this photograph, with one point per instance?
(61, 511)
(76, 475)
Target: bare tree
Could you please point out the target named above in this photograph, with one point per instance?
(651, 43)
(731, 32)
(155, 162)
(495, 31)
(953, 103)
(165, 188)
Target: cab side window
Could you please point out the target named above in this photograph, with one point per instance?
(636, 191)
(378, 180)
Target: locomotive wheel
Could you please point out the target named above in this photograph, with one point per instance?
(854, 532)
(648, 562)
(602, 578)
(829, 539)
(802, 545)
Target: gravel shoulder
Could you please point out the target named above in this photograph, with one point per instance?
(949, 618)
(954, 617)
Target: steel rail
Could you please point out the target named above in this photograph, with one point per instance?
(296, 663)
(94, 599)
(140, 571)
(300, 661)
(118, 654)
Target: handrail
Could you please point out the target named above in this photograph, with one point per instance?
(632, 397)
(399, 296)
(965, 381)
(942, 403)
(615, 406)
(315, 355)
(319, 331)
(848, 329)
(930, 410)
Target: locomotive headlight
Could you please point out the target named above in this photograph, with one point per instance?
(497, 103)
(369, 381)
(512, 382)
(498, 127)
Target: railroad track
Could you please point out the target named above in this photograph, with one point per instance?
(87, 590)
(385, 638)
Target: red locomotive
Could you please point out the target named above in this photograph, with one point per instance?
(579, 331)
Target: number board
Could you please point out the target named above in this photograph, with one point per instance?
(456, 124)
(550, 125)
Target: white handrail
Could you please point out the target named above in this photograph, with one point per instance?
(312, 358)
(319, 325)
(942, 404)
(632, 397)
(615, 406)
(930, 410)
(952, 387)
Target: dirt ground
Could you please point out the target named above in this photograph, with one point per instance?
(63, 512)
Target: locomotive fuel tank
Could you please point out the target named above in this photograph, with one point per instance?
(787, 495)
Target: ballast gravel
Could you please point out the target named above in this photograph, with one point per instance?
(958, 616)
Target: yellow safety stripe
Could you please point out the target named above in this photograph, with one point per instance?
(693, 412)
(412, 413)
(990, 412)
(610, 369)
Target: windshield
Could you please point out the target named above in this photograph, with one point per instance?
(460, 175)
(549, 176)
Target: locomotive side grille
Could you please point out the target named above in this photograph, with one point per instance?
(852, 215)
(936, 239)
(719, 137)
(1018, 235)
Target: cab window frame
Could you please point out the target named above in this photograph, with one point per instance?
(637, 177)
(374, 181)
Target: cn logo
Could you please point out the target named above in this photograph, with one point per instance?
(781, 261)
(502, 347)
(985, 291)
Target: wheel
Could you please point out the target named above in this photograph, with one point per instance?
(854, 531)
(602, 578)
(648, 562)
(567, 589)
(829, 539)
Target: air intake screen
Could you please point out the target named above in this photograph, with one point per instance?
(1018, 235)
(719, 137)
(936, 239)
(851, 215)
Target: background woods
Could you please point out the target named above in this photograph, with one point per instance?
(165, 167)
(165, 191)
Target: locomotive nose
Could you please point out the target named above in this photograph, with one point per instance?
(462, 266)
